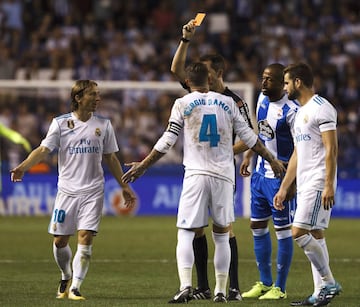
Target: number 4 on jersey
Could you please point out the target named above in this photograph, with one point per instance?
(208, 130)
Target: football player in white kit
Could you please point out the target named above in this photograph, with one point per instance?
(314, 164)
(82, 139)
(216, 65)
(208, 119)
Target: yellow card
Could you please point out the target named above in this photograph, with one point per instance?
(199, 18)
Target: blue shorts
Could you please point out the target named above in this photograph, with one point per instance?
(263, 191)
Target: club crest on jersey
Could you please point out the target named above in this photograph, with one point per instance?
(266, 133)
(70, 124)
(306, 119)
(97, 132)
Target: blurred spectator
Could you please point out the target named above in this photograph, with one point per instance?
(27, 124)
(8, 63)
(163, 17)
(13, 22)
(88, 69)
(144, 50)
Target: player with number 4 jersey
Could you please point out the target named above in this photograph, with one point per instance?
(208, 120)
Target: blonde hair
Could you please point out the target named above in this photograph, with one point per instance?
(78, 89)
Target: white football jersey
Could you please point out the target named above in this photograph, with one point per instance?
(209, 120)
(275, 122)
(316, 116)
(80, 148)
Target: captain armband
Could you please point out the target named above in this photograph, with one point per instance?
(168, 139)
(244, 110)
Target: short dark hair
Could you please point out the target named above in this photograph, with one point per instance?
(197, 73)
(217, 61)
(277, 71)
(78, 89)
(301, 71)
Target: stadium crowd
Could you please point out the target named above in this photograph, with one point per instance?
(136, 40)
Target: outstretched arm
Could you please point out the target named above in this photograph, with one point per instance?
(179, 59)
(239, 147)
(34, 158)
(139, 168)
(276, 165)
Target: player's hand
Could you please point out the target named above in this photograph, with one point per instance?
(328, 197)
(16, 174)
(278, 168)
(279, 199)
(244, 168)
(188, 30)
(134, 172)
(129, 197)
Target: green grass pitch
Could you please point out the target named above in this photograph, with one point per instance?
(133, 264)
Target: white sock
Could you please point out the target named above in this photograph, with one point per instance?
(63, 257)
(222, 256)
(316, 255)
(316, 276)
(81, 263)
(185, 257)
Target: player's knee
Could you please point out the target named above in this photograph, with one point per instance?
(298, 232)
(258, 224)
(221, 229)
(61, 241)
(318, 233)
(199, 232)
(85, 237)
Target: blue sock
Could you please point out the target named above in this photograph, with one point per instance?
(284, 256)
(262, 248)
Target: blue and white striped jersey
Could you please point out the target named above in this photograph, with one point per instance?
(275, 125)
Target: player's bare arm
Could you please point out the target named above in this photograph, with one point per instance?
(330, 142)
(276, 165)
(246, 162)
(139, 168)
(287, 181)
(239, 147)
(36, 156)
(116, 170)
(178, 62)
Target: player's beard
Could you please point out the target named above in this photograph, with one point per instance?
(294, 94)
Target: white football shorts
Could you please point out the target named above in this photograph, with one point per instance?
(310, 213)
(201, 194)
(72, 213)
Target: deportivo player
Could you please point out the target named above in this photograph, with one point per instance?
(275, 114)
